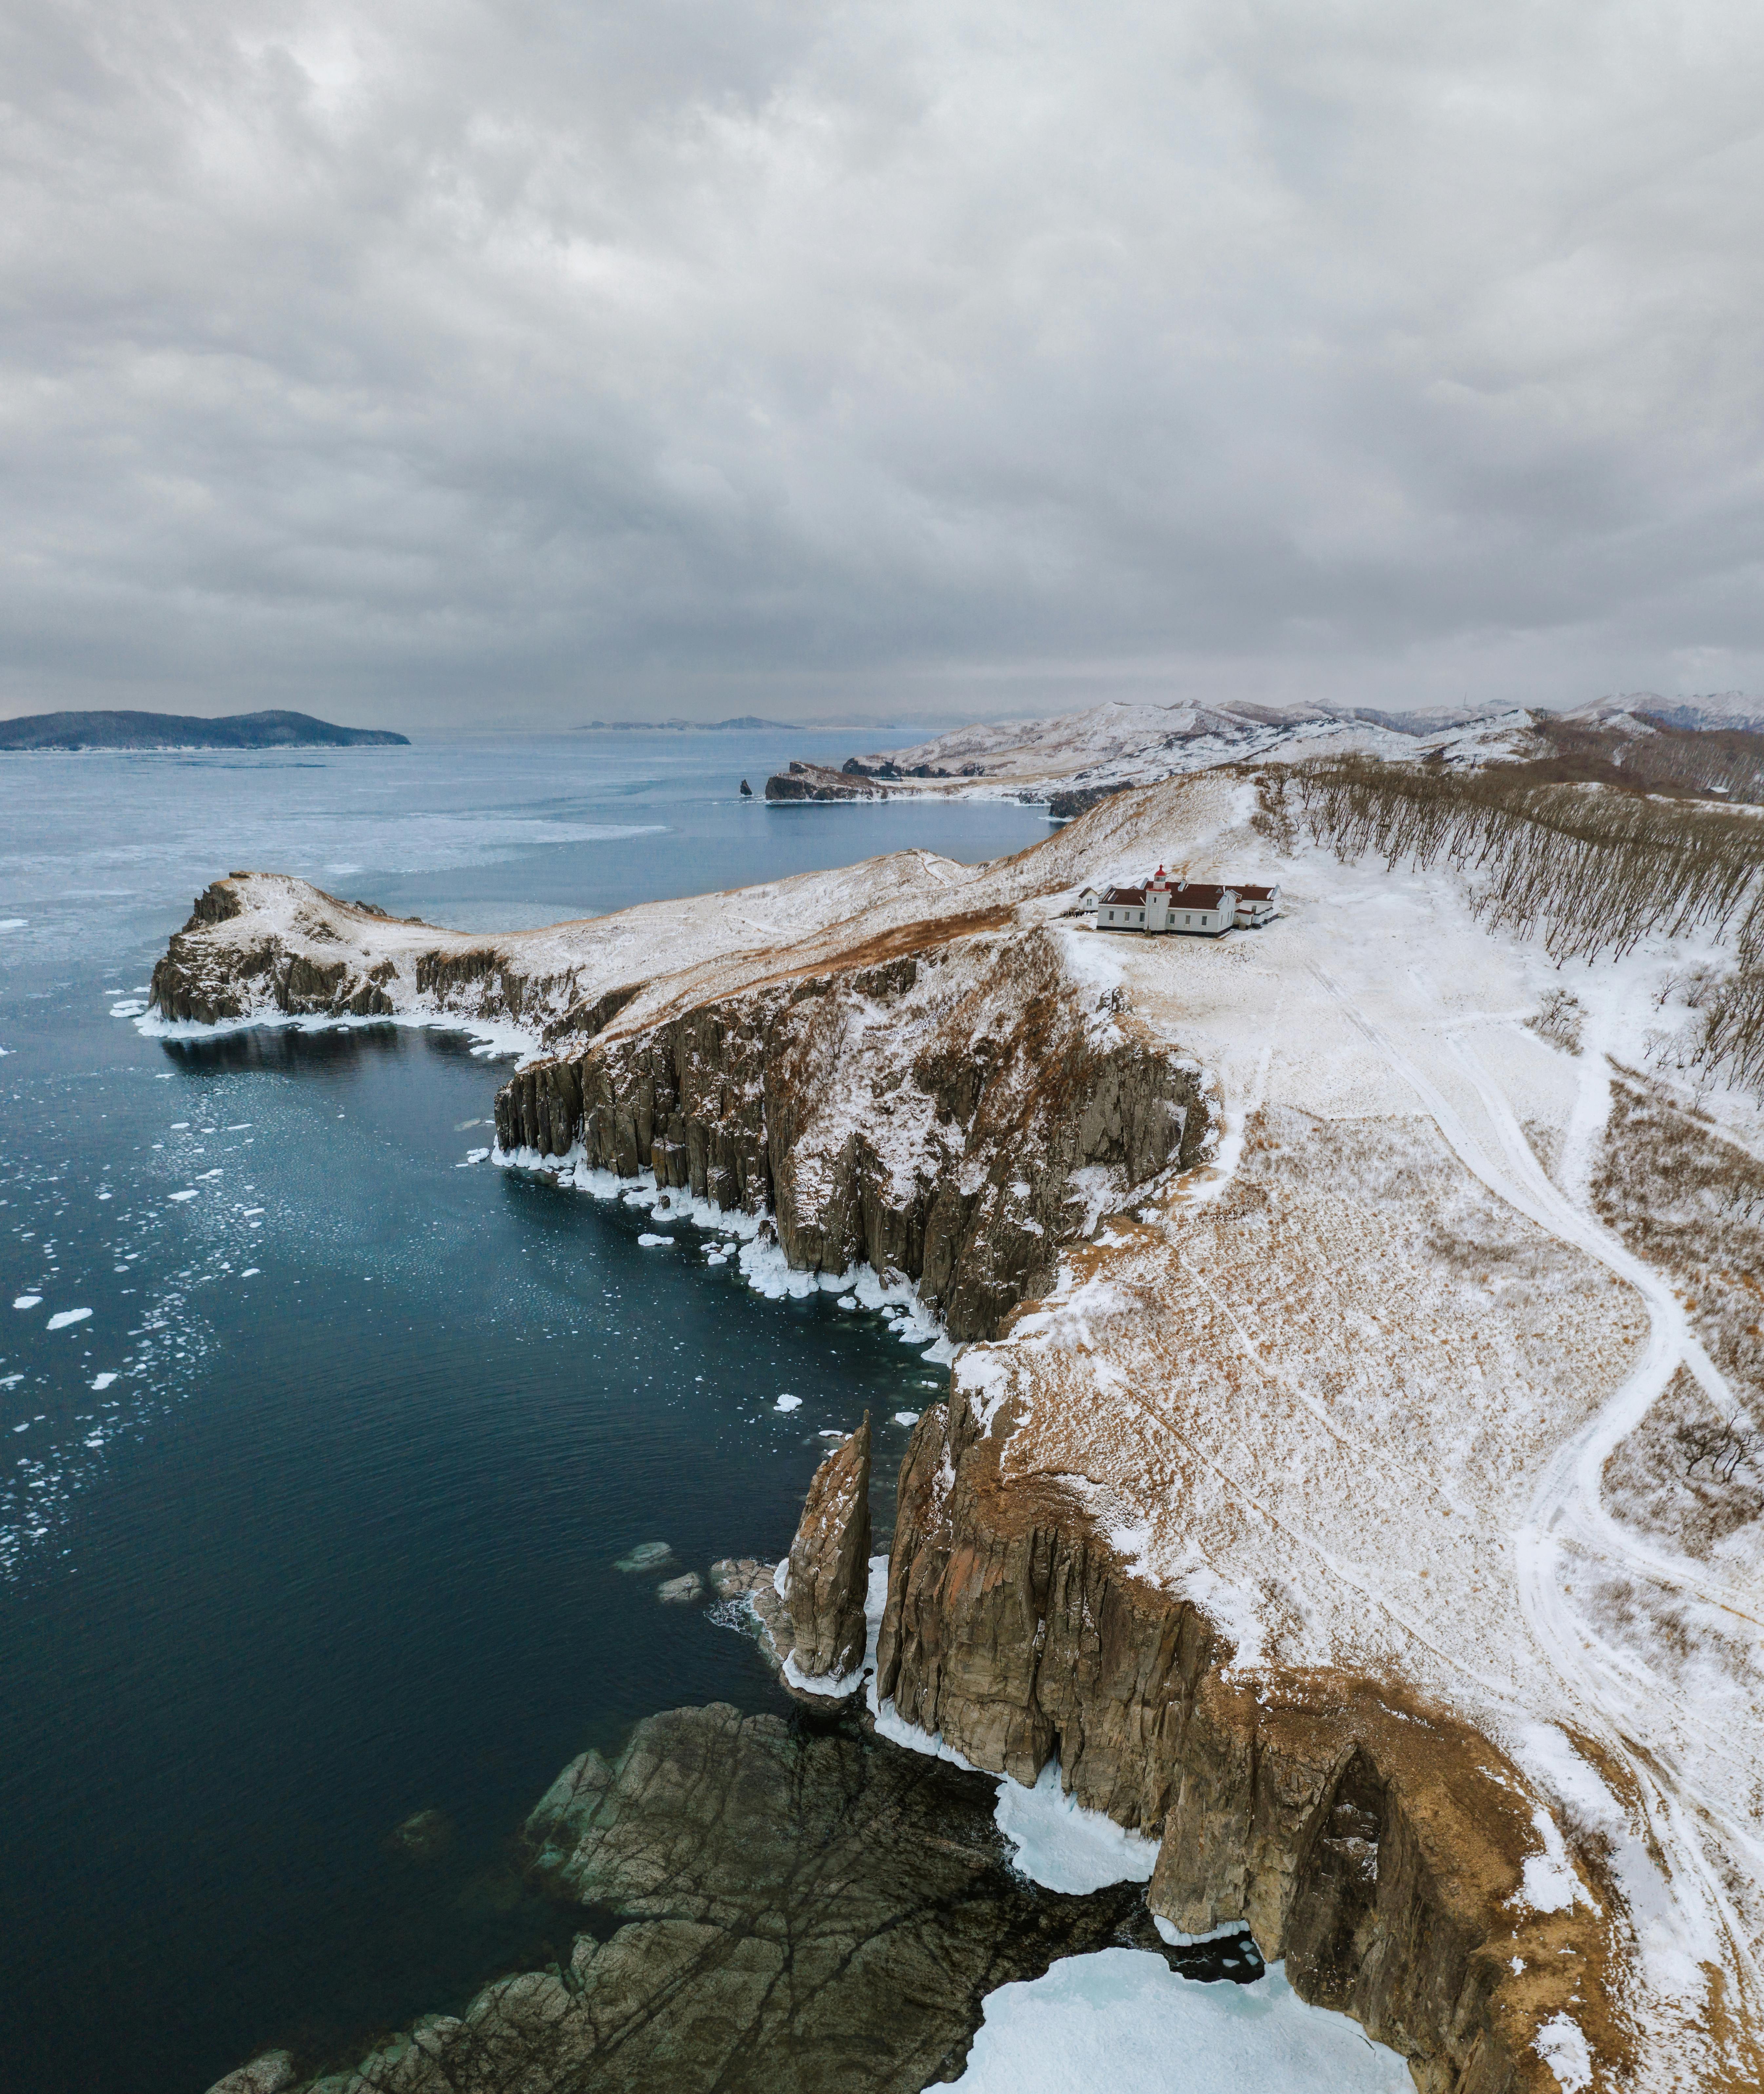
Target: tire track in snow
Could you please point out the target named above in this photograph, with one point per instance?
(1584, 1663)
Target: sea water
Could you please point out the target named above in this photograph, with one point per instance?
(318, 1441)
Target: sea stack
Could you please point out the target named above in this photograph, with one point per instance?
(828, 1575)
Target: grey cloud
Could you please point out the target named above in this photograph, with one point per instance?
(438, 364)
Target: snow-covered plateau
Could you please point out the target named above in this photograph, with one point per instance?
(1322, 1479)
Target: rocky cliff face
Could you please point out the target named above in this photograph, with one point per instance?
(816, 781)
(1374, 1843)
(952, 1114)
(275, 970)
(828, 1577)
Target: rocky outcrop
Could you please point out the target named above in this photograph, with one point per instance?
(813, 781)
(1376, 1844)
(827, 1581)
(953, 1114)
(770, 1908)
(271, 2074)
(1068, 801)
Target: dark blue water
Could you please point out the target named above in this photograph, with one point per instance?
(334, 1542)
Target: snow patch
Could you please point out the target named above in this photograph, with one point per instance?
(1549, 1884)
(1562, 2046)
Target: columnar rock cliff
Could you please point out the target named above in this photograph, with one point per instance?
(953, 1113)
(1374, 1843)
(828, 1575)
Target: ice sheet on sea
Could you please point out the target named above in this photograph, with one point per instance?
(836, 1688)
(1167, 1931)
(492, 1039)
(763, 1263)
(1121, 2018)
(1063, 1846)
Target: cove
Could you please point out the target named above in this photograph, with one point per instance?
(336, 1545)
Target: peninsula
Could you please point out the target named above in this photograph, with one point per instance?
(1347, 1474)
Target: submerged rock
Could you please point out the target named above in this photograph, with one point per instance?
(423, 1835)
(781, 1911)
(268, 2075)
(646, 1556)
(829, 1574)
(681, 1591)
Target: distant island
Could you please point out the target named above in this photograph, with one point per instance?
(271, 730)
(747, 720)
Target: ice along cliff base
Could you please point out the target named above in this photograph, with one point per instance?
(1261, 1495)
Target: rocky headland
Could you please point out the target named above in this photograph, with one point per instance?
(1262, 1373)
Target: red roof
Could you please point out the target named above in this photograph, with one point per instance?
(1134, 895)
(1183, 896)
(1256, 893)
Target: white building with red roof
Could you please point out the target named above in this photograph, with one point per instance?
(1194, 909)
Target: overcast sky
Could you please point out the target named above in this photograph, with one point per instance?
(431, 364)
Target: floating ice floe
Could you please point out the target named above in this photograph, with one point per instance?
(906, 1418)
(189, 1194)
(650, 1242)
(101, 1381)
(788, 1403)
(63, 1317)
(26, 1301)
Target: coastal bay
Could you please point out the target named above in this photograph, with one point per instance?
(335, 1546)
